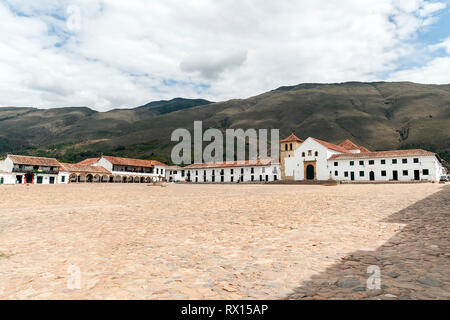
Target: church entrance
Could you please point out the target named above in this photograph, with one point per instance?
(310, 172)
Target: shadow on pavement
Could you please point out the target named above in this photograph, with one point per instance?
(414, 264)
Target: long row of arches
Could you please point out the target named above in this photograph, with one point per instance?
(97, 178)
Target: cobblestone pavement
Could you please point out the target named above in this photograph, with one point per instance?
(413, 264)
(223, 241)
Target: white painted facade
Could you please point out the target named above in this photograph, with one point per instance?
(11, 173)
(175, 174)
(227, 174)
(309, 151)
(63, 177)
(156, 173)
(401, 168)
(352, 165)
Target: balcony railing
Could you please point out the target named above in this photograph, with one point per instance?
(42, 171)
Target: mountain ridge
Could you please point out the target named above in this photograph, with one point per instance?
(378, 115)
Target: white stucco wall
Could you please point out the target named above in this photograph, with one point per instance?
(8, 178)
(173, 174)
(297, 162)
(66, 176)
(6, 165)
(430, 163)
(235, 174)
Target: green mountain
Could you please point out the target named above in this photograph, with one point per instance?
(380, 116)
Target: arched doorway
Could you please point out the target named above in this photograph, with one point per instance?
(372, 176)
(73, 178)
(310, 174)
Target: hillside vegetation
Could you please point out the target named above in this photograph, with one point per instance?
(380, 116)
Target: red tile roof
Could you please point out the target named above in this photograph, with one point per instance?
(134, 162)
(383, 154)
(331, 146)
(35, 161)
(231, 164)
(363, 149)
(70, 167)
(88, 162)
(292, 138)
(349, 145)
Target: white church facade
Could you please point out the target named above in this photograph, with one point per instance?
(314, 159)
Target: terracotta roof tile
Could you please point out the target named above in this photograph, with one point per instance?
(70, 167)
(231, 164)
(36, 161)
(331, 146)
(349, 145)
(292, 138)
(363, 149)
(173, 168)
(89, 161)
(383, 154)
(134, 162)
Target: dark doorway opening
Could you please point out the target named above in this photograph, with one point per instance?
(310, 172)
(352, 176)
(372, 176)
(29, 178)
(417, 175)
(52, 180)
(39, 180)
(395, 175)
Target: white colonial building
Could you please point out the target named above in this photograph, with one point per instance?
(263, 170)
(29, 170)
(175, 174)
(314, 159)
(81, 173)
(36, 170)
(130, 170)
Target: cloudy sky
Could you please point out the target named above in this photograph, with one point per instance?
(108, 54)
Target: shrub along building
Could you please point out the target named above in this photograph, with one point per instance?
(314, 159)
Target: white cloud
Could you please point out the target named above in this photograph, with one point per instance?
(126, 54)
(211, 67)
(436, 71)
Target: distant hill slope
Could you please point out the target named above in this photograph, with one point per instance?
(377, 115)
